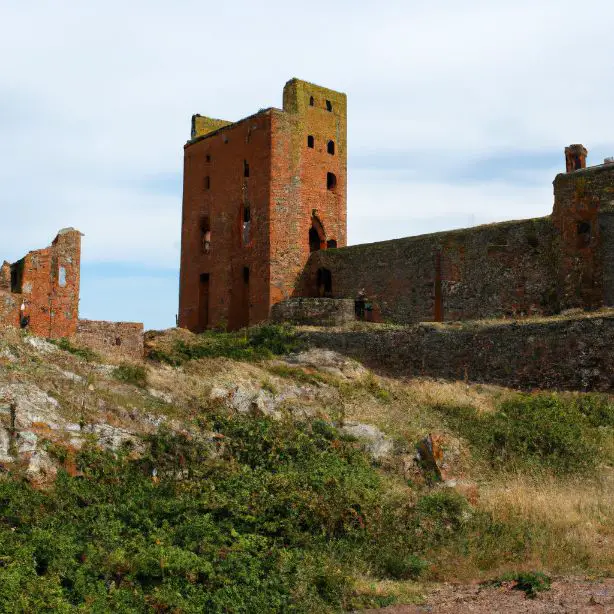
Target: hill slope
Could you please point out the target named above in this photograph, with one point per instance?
(248, 473)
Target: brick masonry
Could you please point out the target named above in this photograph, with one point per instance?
(297, 232)
(314, 311)
(255, 193)
(557, 353)
(46, 282)
(116, 339)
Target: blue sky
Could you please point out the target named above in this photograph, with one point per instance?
(458, 115)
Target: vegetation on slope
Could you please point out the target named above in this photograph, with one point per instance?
(244, 513)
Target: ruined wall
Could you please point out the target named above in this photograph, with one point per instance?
(224, 277)
(47, 282)
(9, 308)
(570, 354)
(117, 339)
(505, 269)
(314, 311)
(583, 204)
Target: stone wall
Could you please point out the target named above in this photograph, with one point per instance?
(506, 269)
(118, 339)
(314, 311)
(583, 205)
(572, 354)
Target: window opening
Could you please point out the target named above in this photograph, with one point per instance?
(583, 234)
(207, 158)
(331, 181)
(317, 236)
(310, 141)
(329, 105)
(325, 283)
(331, 148)
(62, 277)
(245, 275)
(118, 341)
(247, 224)
(205, 234)
(311, 101)
(245, 168)
(331, 244)
(207, 182)
(314, 240)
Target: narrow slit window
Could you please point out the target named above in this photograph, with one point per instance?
(207, 182)
(245, 168)
(311, 141)
(311, 101)
(331, 181)
(205, 234)
(330, 147)
(247, 225)
(207, 158)
(245, 275)
(329, 105)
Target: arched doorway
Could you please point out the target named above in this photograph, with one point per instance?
(317, 236)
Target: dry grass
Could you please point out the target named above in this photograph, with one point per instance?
(574, 518)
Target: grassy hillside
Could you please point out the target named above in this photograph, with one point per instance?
(244, 473)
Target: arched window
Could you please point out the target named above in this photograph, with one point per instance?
(317, 236)
(331, 181)
(310, 141)
(330, 147)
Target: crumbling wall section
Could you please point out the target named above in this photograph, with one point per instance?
(117, 339)
(569, 354)
(498, 270)
(46, 283)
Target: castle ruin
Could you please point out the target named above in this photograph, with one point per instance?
(264, 222)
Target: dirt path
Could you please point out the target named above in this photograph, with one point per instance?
(566, 596)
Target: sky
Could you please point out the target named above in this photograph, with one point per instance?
(458, 114)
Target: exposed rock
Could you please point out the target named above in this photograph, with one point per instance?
(374, 441)
(39, 344)
(161, 395)
(328, 361)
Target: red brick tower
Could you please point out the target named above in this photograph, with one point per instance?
(259, 195)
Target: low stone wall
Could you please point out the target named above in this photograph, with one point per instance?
(314, 311)
(570, 354)
(118, 339)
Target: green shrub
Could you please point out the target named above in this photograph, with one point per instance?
(538, 431)
(256, 343)
(81, 352)
(530, 582)
(131, 374)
